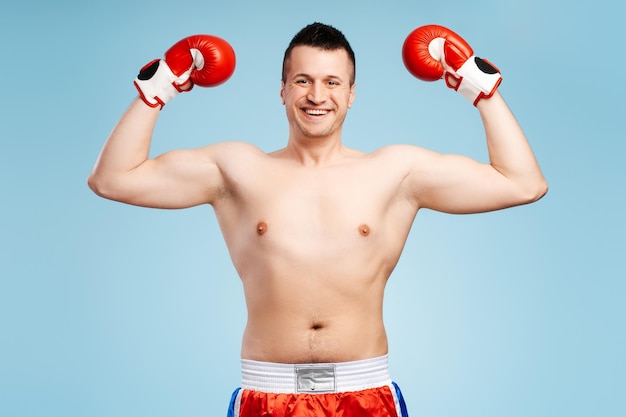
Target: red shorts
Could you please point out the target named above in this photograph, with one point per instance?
(349, 389)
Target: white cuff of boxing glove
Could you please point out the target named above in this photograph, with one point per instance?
(474, 83)
(162, 86)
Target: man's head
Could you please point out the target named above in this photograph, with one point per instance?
(321, 36)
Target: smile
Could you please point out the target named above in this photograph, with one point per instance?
(315, 112)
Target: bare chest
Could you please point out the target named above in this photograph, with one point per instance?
(322, 206)
(316, 209)
(302, 217)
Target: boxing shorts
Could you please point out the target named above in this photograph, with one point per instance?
(355, 389)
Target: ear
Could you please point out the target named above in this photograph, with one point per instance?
(282, 91)
(351, 98)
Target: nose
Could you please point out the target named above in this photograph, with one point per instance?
(316, 93)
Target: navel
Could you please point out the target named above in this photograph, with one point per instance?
(261, 228)
(364, 230)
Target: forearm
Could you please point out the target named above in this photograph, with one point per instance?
(509, 151)
(127, 146)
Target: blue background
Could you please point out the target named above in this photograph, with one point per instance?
(112, 310)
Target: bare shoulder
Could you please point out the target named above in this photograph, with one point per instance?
(403, 154)
(231, 149)
(230, 155)
(398, 150)
(419, 168)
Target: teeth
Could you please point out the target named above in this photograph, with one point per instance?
(316, 112)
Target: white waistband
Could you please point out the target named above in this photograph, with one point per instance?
(315, 378)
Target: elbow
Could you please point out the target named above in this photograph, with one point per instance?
(535, 191)
(94, 184)
(543, 189)
(111, 187)
(97, 184)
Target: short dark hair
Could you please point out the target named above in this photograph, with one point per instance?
(319, 35)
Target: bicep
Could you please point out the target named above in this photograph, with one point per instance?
(460, 185)
(175, 179)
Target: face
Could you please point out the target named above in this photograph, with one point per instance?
(317, 92)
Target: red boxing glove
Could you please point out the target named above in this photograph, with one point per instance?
(432, 52)
(206, 60)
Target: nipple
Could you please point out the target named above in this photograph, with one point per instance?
(364, 230)
(261, 228)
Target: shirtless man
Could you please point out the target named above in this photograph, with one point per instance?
(315, 229)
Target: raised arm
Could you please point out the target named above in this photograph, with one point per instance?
(457, 184)
(177, 179)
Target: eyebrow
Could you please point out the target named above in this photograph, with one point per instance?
(326, 77)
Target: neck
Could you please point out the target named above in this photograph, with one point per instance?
(315, 151)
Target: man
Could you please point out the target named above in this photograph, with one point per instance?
(315, 229)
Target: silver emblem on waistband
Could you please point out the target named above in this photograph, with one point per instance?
(315, 378)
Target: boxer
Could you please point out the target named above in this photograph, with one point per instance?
(315, 229)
